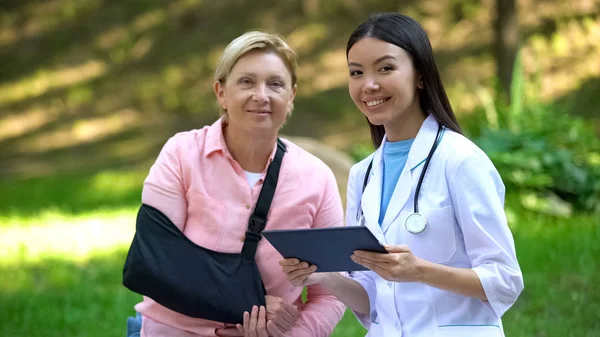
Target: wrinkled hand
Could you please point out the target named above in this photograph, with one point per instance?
(298, 273)
(400, 265)
(279, 318)
(282, 314)
(256, 324)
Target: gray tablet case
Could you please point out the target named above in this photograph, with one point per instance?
(327, 248)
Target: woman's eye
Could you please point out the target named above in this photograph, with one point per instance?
(385, 69)
(355, 72)
(244, 81)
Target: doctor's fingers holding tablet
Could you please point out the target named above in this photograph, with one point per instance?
(400, 265)
(298, 272)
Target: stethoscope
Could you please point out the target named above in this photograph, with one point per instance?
(416, 222)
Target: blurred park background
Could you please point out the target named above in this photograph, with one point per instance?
(91, 89)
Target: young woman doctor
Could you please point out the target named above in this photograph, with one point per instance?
(429, 194)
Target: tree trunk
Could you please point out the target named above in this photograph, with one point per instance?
(506, 34)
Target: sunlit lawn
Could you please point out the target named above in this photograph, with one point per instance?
(63, 241)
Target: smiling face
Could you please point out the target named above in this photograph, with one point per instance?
(384, 83)
(258, 93)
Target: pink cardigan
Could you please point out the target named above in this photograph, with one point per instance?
(204, 191)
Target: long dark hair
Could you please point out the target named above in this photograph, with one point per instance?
(406, 33)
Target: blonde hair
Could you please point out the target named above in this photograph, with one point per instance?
(255, 40)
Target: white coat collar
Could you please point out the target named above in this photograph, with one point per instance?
(371, 199)
(423, 143)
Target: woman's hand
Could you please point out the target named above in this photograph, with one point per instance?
(256, 324)
(278, 313)
(400, 265)
(298, 273)
(281, 313)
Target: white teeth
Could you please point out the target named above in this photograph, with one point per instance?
(374, 103)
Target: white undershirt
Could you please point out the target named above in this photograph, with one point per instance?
(252, 178)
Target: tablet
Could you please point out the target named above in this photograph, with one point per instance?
(327, 248)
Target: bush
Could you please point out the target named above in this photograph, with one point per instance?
(558, 161)
(541, 150)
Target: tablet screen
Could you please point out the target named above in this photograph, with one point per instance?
(327, 248)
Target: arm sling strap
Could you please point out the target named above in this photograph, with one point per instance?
(166, 266)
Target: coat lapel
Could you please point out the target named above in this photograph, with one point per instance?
(410, 174)
(371, 198)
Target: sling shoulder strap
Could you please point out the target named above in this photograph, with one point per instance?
(258, 219)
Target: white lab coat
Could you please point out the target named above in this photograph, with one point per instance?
(462, 197)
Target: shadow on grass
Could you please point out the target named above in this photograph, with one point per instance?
(169, 82)
(180, 42)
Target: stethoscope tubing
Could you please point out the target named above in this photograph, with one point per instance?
(421, 177)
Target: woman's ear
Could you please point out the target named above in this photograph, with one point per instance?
(291, 103)
(420, 83)
(220, 93)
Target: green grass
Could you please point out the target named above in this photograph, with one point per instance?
(59, 297)
(69, 195)
(63, 249)
(561, 268)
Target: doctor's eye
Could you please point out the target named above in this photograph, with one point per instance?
(386, 69)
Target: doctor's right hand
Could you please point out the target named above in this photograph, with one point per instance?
(299, 273)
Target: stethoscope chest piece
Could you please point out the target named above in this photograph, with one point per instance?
(416, 223)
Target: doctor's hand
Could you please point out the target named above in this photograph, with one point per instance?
(298, 273)
(281, 313)
(400, 265)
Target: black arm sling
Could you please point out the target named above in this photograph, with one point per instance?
(165, 265)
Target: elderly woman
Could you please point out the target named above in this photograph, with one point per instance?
(207, 182)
